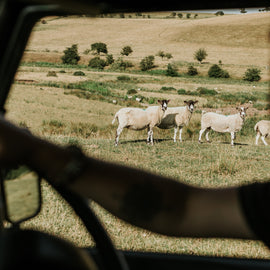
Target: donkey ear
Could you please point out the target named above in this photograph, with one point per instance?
(196, 101)
(185, 101)
(159, 101)
(168, 101)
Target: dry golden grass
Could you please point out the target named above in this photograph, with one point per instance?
(234, 39)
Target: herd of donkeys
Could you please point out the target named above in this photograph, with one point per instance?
(166, 117)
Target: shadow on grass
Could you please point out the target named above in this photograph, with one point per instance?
(143, 140)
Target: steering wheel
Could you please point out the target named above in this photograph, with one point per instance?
(110, 257)
(36, 250)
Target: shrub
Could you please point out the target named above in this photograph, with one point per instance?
(192, 71)
(161, 54)
(131, 91)
(99, 47)
(97, 62)
(171, 71)
(126, 51)
(152, 100)
(109, 59)
(168, 56)
(86, 51)
(165, 88)
(181, 91)
(147, 63)
(206, 92)
(215, 71)
(79, 73)
(51, 74)
(252, 75)
(219, 13)
(71, 55)
(239, 97)
(120, 64)
(200, 55)
(123, 78)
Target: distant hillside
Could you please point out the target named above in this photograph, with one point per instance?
(246, 30)
(234, 39)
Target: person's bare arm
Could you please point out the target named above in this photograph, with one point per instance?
(149, 201)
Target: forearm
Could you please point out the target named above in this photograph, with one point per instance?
(149, 201)
(141, 198)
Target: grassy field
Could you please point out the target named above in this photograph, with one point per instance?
(79, 109)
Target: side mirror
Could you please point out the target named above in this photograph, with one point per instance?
(21, 194)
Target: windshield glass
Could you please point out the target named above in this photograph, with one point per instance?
(78, 72)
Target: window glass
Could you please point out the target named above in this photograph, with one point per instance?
(78, 72)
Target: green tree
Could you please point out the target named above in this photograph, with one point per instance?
(215, 71)
(161, 54)
(243, 10)
(219, 13)
(147, 63)
(71, 55)
(97, 62)
(200, 55)
(172, 71)
(126, 51)
(109, 59)
(168, 56)
(252, 75)
(192, 71)
(99, 47)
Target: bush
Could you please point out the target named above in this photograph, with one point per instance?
(79, 73)
(206, 92)
(109, 59)
(99, 47)
(239, 97)
(147, 63)
(152, 100)
(171, 71)
(252, 75)
(123, 78)
(120, 64)
(219, 13)
(161, 54)
(181, 91)
(200, 55)
(215, 71)
(165, 88)
(97, 62)
(131, 92)
(192, 71)
(168, 56)
(51, 74)
(71, 55)
(126, 51)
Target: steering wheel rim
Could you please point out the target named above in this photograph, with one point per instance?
(111, 258)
